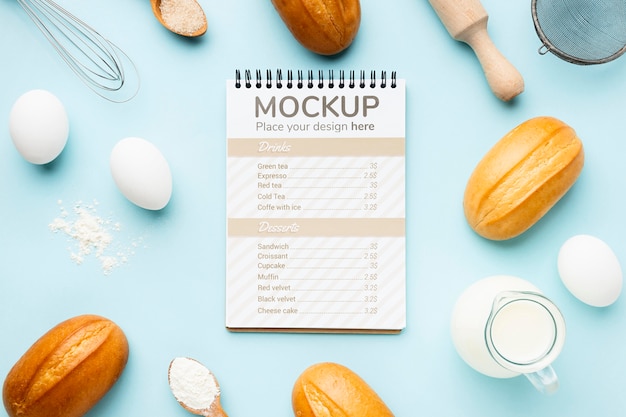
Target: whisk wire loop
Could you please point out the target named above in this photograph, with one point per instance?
(94, 59)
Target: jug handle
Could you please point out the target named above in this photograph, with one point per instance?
(544, 380)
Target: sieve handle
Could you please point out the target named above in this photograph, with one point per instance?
(466, 21)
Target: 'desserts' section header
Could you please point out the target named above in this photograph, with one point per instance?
(271, 112)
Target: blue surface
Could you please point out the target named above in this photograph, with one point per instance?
(169, 296)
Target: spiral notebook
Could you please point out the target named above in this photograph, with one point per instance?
(315, 202)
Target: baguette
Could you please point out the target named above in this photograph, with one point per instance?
(325, 27)
(522, 177)
(332, 390)
(68, 370)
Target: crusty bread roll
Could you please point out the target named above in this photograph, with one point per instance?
(326, 27)
(332, 390)
(68, 370)
(524, 175)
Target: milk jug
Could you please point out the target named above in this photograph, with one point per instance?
(502, 326)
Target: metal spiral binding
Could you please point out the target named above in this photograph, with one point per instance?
(310, 81)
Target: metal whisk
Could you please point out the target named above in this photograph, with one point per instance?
(100, 64)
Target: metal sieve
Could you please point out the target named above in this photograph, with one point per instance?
(582, 32)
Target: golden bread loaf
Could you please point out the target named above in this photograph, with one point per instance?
(68, 370)
(332, 390)
(326, 27)
(521, 177)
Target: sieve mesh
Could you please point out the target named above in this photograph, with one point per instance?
(581, 31)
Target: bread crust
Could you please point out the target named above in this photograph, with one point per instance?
(522, 177)
(326, 27)
(331, 390)
(68, 370)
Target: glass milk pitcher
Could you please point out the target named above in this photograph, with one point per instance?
(502, 326)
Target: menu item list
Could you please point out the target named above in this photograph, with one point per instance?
(315, 209)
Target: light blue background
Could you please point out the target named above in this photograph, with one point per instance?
(169, 297)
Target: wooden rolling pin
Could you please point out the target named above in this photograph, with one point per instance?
(466, 21)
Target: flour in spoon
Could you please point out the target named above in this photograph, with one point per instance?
(193, 385)
(184, 16)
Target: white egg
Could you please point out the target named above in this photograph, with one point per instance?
(141, 173)
(39, 126)
(590, 270)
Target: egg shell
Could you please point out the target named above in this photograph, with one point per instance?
(39, 126)
(141, 173)
(590, 270)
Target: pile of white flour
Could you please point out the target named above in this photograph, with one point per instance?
(92, 235)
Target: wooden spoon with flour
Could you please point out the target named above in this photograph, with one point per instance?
(195, 387)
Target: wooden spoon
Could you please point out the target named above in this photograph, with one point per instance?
(466, 21)
(190, 21)
(195, 387)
